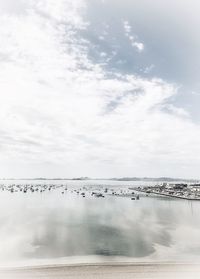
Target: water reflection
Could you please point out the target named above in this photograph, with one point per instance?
(51, 225)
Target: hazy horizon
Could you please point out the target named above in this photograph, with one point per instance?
(132, 178)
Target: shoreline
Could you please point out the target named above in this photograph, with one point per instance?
(101, 263)
(168, 195)
(104, 270)
(93, 260)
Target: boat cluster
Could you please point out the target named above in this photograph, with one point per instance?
(96, 191)
(29, 188)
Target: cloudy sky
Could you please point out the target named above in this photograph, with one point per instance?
(99, 88)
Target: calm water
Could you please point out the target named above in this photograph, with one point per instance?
(51, 225)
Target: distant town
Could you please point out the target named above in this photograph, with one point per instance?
(188, 191)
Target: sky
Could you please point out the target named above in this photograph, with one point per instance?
(99, 88)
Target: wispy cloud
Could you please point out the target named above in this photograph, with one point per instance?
(132, 38)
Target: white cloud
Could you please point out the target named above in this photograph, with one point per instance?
(148, 69)
(127, 27)
(63, 115)
(101, 38)
(133, 40)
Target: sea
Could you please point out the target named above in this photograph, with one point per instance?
(63, 227)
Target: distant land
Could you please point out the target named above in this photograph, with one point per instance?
(148, 179)
(153, 179)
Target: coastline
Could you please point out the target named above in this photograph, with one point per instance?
(106, 270)
(168, 195)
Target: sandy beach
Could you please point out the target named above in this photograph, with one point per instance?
(104, 271)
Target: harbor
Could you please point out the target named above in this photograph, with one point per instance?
(85, 191)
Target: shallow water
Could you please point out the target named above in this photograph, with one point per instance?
(52, 225)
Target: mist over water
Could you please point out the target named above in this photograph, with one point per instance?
(52, 225)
